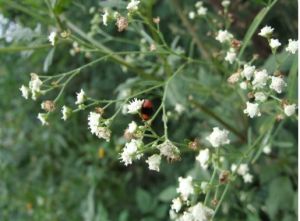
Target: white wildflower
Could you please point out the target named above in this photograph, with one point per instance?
(203, 158)
(52, 38)
(132, 127)
(35, 83)
(267, 149)
(260, 97)
(169, 150)
(25, 91)
(176, 204)
(154, 162)
(185, 188)
(179, 108)
(260, 79)
(201, 212)
(134, 106)
(192, 15)
(187, 216)
(230, 56)
(243, 169)
(277, 84)
(130, 151)
(80, 97)
(290, 109)
(43, 118)
(243, 85)
(96, 128)
(199, 4)
(266, 31)
(292, 46)
(225, 3)
(133, 5)
(248, 178)
(233, 168)
(65, 112)
(252, 110)
(274, 43)
(248, 72)
(223, 36)
(218, 137)
(105, 17)
(202, 11)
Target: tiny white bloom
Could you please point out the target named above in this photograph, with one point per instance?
(154, 162)
(202, 11)
(230, 56)
(132, 127)
(252, 110)
(243, 169)
(35, 83)
(169, 150)
(292, 46)
(243, 85)
(25, 91)
(266, 31)
(233, 167)
(260, 79)
(223, 36)
(43, 118)
(274, 43)
(248, 72)
(134, 106)
(225, 3)
(129, 151)
(80, 97)
(105, 17)
(267, 149)
(179, 108)
(52, 38)
(199, 4)
(260, 96)
(203, 158)
(187, 216)
(65, 112)
(290, 109)
(176, 204)
(277, 84)
(185, 187)
(201, 212)
(192, 15)
(133, 5)
(248, 178)
(218, 137)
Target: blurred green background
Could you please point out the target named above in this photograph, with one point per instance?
(59, 173)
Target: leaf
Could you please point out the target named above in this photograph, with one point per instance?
(254, 25)
(167, 194)
(292, 80)
(48, 60)
(144, 201)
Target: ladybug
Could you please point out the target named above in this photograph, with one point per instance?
(147, 109)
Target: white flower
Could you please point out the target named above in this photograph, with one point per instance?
(192, 15)
(52, 38)
(65, 112)
(96, 128)
(274, 43)
(266, 31)
(204, 186)
(248, 72)
(267, 149)
(260, 96)
(105, 17)
(80, 97)
(260, 79)
(25, 91)
(129, 151)
(223, 36)
(289, 110)
(43, 118)
(154, 162)
(252, 110)
(225, 3)
(179, 108)
(176, 204)
(185, 188)
(201, 212)
(187, 216)
(233, 167)
(248, 178)
(169, 150)
(292, 46)
(203, 158)
(133, 5)
(202, 11)
(199, 4)
(134, 106)
(243, 169)
(132, 127)
(35, 83)
(218, 137)
(277, 84)
(243, 85)
(230, 56)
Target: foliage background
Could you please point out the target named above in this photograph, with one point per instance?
(56, 173)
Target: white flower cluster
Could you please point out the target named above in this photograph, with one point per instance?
(197, 212)
(200, 10)
(130, 151)
(242, 170)
(203, 158)
(34, 87)
(98, 126)
(218, 137)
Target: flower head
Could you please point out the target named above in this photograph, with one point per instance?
(252, 110)
(132, 127)
(176, 204)
(52, 38)
(105, 17)
(260, 96)
(218, 137)
(274, 43)
(96, 128)
(201, 212)
(266, 31)
(185, 187)
(260, 79)
(154, 162)
(43, 118)
(169, 150)
(230, 56)
(25, 91)
(290, 109)
(66, 112)
(203, 158)
(80, 97)
(277, 84)
(130, 151)
(223, 36)
(133, 5)
(292, 46)
(134, 106)
(192, 15)
(248, 72)
(225, 3)
(248, 178)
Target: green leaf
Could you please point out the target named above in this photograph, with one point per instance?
(292, 80)
(167, 194)
(144, 201)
